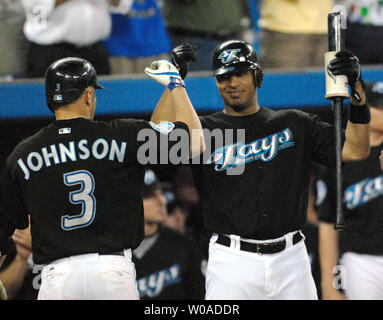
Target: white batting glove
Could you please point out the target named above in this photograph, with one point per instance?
(164, 72)
(3, 293)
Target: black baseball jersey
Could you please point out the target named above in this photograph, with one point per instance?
(362, 204)
(82, 184)
(268, 198)
(171, 268)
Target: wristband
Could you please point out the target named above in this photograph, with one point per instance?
(359, 114)
(175, 82)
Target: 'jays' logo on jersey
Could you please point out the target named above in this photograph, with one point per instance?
(264, 149)
(229, 55)
(153, 284)
(363, 191)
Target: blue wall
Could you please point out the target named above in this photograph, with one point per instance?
(280, 90)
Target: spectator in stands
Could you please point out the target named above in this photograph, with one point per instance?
(204, 23)
(168, 263)
(177, 215)
(13, 42)
(364, 32)
(138, 37)
(293, 33)
(60, 28)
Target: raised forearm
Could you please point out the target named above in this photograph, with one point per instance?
(167, 74)
(357, 143)
(185, 112)
(328, 254)
(164, 110)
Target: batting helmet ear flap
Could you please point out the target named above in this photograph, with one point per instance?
(258, 77)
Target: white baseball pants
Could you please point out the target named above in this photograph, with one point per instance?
(233, 274)
(362, 276)
(90, 277)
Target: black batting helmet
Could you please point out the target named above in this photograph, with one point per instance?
(236, 55)
(66, 79)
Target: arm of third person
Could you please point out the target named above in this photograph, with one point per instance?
(328, 254)
(13, 276)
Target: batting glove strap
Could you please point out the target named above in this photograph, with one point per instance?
(359, 114)
(175, 82)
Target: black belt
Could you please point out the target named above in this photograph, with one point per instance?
(261, 248)
(117, 253)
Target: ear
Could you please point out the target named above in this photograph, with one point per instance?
(88, 96)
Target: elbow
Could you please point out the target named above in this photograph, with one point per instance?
(363, 154)
(366, 154)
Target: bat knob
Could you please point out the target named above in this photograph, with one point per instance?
(339, 226)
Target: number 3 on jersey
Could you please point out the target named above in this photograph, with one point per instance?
(83, 196)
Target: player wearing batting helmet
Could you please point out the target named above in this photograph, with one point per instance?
(254, 186)
(81, 182)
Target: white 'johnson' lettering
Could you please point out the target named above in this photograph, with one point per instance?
(72, 151)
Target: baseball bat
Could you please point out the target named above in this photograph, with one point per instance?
(336, 91)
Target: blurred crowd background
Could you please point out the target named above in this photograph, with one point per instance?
(122, 37)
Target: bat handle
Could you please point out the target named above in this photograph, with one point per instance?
(338, 105)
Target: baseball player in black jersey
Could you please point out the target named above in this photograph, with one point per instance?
(168, 263)
(254, 185)
(353, 259)
(81, 182)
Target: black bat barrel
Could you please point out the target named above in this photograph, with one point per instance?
(336, 42)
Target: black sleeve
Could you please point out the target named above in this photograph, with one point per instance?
(13, 214)
(322, 141)
(194, 283)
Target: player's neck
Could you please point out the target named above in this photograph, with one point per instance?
(72, 112)
(245, 112)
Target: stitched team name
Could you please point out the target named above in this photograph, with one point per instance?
(363, 192)
(264, 149)
(73, 151)
(153, 284)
